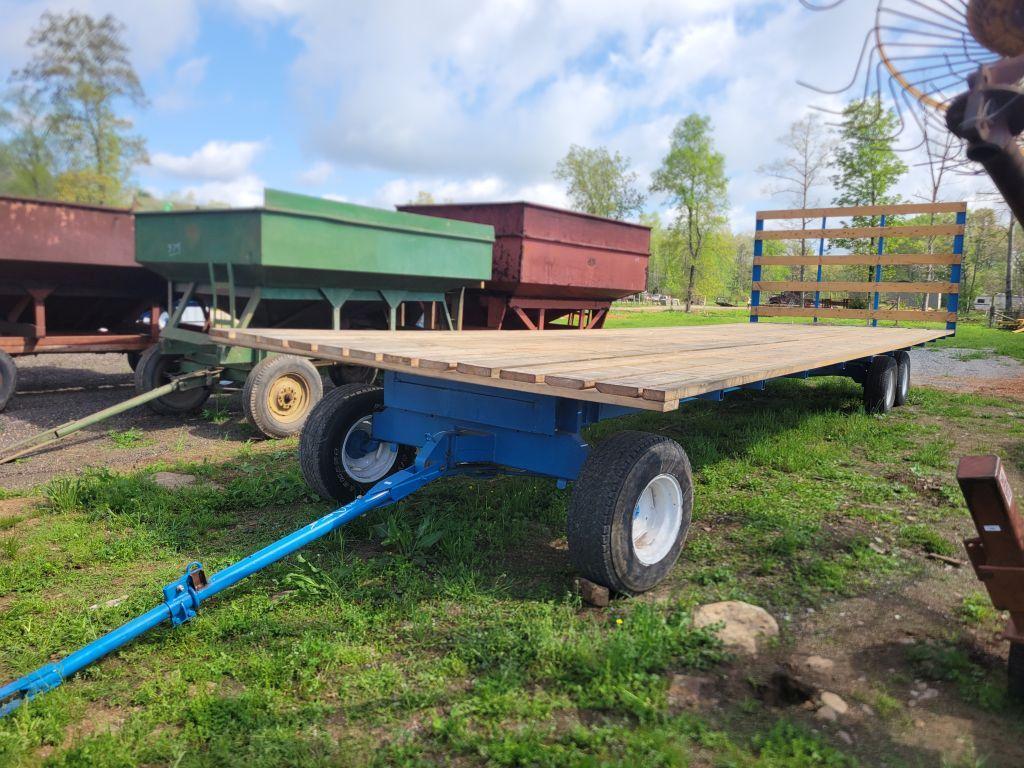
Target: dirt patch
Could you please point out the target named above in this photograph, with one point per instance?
(957, 370)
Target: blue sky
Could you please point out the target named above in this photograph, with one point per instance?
(372, 102)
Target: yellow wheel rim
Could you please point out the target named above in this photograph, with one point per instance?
(288, 397)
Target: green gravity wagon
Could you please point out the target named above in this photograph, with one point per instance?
(295, 262)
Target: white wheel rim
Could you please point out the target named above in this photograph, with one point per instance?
(372, 465)
(657, 517)
(890, 390)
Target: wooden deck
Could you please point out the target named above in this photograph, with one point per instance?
(650, 368)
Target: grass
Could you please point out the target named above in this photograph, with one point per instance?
(970, 335)
(444, 629)
(128, 438)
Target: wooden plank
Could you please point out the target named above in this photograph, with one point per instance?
(849, 233)
(865, 210)
(851, 259)
(648, 368)
(937, 316)
(855, 287)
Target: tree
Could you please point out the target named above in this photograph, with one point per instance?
(801, 170)
(80, 72)
(867, 168)
(985, 241)
(27, 159)
(600, 183)
(692, 174)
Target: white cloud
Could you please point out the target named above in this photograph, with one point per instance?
(317, 174)
(472, 190)
(243, 192)
(215, 160)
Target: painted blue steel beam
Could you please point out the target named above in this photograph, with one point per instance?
(755, 296)
(953, 299)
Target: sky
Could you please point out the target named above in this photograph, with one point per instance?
(468, 100)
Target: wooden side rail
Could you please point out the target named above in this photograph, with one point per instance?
(905, 209)
(853, 233)
(879, 227)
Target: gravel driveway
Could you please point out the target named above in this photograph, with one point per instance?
(54, 389)
(963, 370)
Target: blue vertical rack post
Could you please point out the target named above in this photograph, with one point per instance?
(755, 294)
(821, 252)
(878, 272)
(953, 299)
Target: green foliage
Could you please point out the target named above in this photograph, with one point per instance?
(127, 438)
(599, 182)
(976, 609)
(926, 538)
(692, 176)
(952, 663)
(68, 139)
(867, 168)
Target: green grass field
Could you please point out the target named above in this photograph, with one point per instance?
(444, 630)
(973, 335)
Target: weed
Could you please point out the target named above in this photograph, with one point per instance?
(976, 609)
(216, 412)
(410, 540)
(128, 438)
(926, 538)
(63, 494)
(9, 547)
(952, 663)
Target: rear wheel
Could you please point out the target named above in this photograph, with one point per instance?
(902, 377)
(337, 453)
(342, 373)
(8, 379)
(156, 369)
(279, 394)
(880, 385)
(630, 511)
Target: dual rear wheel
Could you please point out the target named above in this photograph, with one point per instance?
(887, 382)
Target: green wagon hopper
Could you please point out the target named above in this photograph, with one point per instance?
(295, 262)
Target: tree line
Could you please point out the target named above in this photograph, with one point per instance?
(694, 253)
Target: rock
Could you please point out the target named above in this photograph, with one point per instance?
(743, 624)
(826, 713)
(844, 737)
(109, 603)
(690, 692)
(173, 480)
(867, 710)
(592, 593)
(834, 702)
(818, 665)
(927, 693)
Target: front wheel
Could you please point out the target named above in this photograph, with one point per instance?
(8, 378)
(155, 369)
(280, 393)
(337, 453)
(630, 511)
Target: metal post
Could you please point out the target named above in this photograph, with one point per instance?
(821, 252)
(955, 273)
(755, 293)
(878, 272)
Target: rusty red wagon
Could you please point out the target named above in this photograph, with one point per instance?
(69, 282)
(552, 267)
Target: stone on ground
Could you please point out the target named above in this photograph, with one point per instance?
(834, 702)
(743, 625)
(173, 480)
(592, 593)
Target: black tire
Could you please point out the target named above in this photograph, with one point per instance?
(322, 442)
(604, 501)
(1015, 672)
(8, 379)
(342, 373)
(279, 394)
(156, 369)
(902, 377)
(880, 385)
(133, 359)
